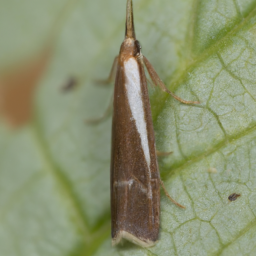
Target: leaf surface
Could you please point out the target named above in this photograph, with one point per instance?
(55, 171)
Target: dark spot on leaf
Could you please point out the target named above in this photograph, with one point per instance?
(70, 84)
(233, 197)
(17, 88)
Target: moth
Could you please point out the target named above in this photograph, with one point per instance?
(135, 178)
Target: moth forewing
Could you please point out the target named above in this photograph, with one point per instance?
(135, 186)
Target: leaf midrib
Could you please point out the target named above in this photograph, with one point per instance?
(62, 181)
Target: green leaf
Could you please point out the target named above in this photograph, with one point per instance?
(54, 173)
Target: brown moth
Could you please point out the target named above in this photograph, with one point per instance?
(135, 178)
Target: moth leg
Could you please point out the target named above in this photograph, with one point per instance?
(105, 115)
(161, 153)
(157, 81)
(112, 74)
(109, 109)
(171, 199)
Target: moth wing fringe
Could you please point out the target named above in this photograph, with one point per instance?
(128, 236)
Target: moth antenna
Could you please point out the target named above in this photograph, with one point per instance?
(129, 30)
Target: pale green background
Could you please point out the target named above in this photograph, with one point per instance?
(54, 173)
